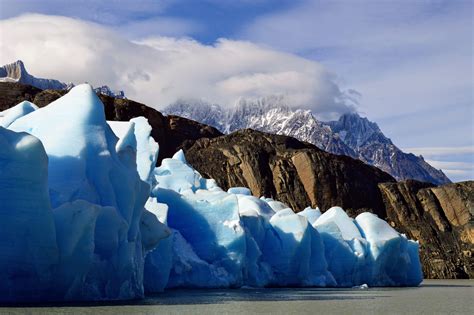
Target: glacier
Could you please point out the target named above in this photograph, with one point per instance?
(85, 214)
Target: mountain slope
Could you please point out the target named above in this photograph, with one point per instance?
(373, 147)
(351, 135)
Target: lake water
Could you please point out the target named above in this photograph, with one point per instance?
(432, 297)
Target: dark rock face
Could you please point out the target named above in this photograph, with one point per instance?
(295, 172)
(441, 219)
(14, 93)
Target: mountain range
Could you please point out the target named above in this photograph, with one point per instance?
(351, 135)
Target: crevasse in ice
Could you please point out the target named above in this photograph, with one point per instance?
(85, 214)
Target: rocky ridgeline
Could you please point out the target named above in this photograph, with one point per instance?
(300, 174)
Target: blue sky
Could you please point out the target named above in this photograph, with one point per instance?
(410, 61)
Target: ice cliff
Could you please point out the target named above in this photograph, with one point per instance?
(86, 215)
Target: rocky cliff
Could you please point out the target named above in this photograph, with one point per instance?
(292, 171)
(440, 218)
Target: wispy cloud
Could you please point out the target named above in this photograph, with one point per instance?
(441, 151)
(456, 162)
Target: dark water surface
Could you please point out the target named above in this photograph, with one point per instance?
(432, 297)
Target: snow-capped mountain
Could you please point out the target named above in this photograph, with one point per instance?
(351, 135)
(104, 89)
(16, 72)
(373, 147)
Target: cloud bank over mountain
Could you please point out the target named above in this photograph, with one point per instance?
(161, 70)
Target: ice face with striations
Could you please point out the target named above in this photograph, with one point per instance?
(86, 215)
(233, 239)
(89, 199)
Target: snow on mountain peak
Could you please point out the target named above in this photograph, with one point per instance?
(16, 72)
(350, 135)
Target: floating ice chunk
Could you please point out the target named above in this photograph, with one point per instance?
(10, 115)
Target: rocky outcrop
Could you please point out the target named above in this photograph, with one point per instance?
(440, 218)
(14, 93)
(292, 171)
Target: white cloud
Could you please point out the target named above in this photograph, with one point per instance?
(457, 171)
(456, 162)
(404, 57)
(160, 70)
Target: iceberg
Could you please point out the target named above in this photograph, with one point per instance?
(234, 239)
(93, 196)
(85, 214)
(391, 253)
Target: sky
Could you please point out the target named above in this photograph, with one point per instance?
(406, 64)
